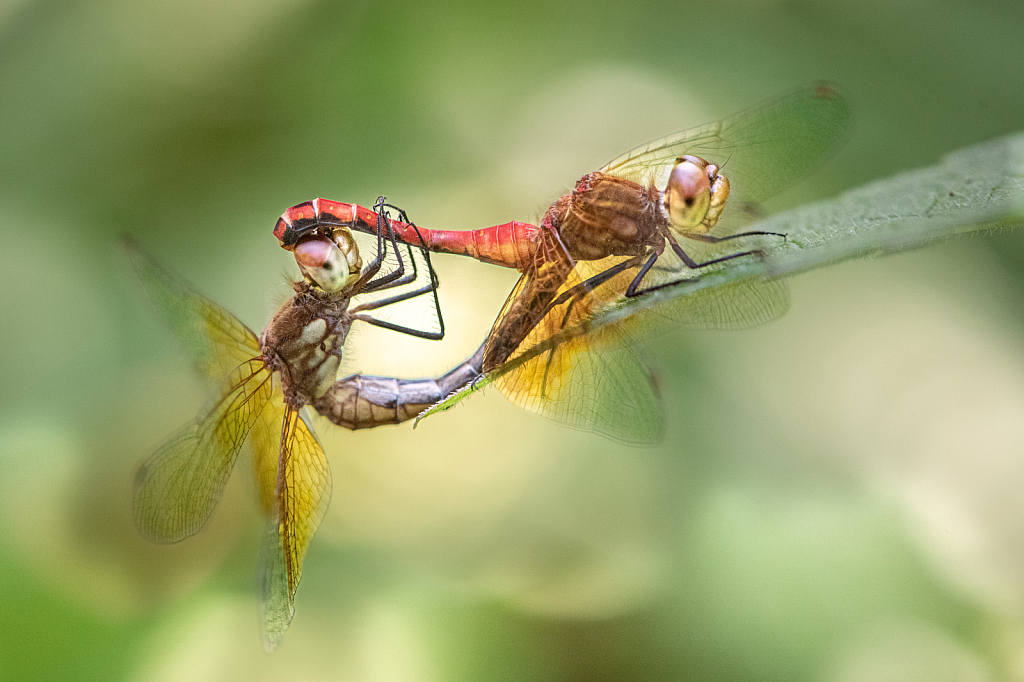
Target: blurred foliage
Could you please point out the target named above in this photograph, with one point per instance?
(837, 497)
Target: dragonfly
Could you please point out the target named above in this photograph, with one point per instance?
(617, 234)
(268, 387)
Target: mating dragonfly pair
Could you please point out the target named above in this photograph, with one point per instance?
(614, 236)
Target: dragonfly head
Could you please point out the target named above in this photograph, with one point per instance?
(330, 263)
(694, 195)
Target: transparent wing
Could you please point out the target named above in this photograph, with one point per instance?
(762, 149)
(265, 450)
(177, 488)
(595, 383)
(738, 305)
(216, 340)
(595, 379)
(302, 491)
(592, 381)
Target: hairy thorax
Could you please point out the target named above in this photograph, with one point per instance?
(607, 216)
(304, 343)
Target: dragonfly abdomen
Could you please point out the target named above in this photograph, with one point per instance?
(362, 402)
(512, 245)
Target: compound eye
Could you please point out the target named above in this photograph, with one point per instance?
(687, 196)
(323, 262)
(347, 243)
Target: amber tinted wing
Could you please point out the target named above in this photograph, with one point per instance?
(593, 381)
(216, 340)
(594, 378)
(300, 479)
(177, 488)
(762, 149)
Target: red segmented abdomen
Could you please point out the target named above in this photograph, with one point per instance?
(511, 245)
(303, 218)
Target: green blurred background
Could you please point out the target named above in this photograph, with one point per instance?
(838, 494)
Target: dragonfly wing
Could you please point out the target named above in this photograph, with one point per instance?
(737, 305)
(302, 493)
(593, 381)
(216, 340)
(595, 378)
(761, 150)
(177, 488)
(265, 450)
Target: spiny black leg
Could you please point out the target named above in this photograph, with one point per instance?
(600, 278)
(397, 273)
(419, 333)
(693, 265)
(432, 287)
(397, 298)
(578, 291)
(753, 233)
(631, 289)
(689, 262)
(411, 277)
(373, 267)
(435, 281)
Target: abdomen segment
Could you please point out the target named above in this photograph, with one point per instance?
(362, 402)
(510, 245)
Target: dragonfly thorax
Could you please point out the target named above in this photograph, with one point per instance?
(694, 195)
(304, 343)
(606, 216)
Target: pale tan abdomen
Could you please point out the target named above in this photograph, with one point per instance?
(362, 402)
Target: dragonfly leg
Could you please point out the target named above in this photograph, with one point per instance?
(418, 333)
(694, 265)
(405, 296)
(753, 233)
(374, 266)
(410, 277)
(397, 298)
(633, 290)
(583, 287)
(580, 290)
(367, 281)
(395, 279)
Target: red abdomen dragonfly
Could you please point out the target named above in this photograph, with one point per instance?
(604, 240)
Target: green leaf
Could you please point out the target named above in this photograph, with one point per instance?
(459, 395)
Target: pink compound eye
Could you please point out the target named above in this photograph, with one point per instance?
(687, 195)
(688, 181)
(314, 253)
(322, 262)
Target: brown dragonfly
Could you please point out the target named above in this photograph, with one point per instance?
(617, 234)
(267, 385)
